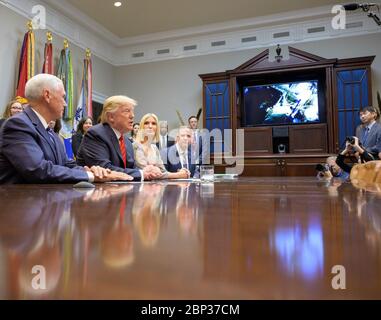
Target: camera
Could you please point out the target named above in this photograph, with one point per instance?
(322, 168)
(350, 140)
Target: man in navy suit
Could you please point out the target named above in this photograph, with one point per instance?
(369, 132)
(30, 152)
(199, 142)
(107, 144)
(179, 156)
(164, 141)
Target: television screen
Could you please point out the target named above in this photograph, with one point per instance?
(282, 103)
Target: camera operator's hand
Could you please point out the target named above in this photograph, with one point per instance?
(347, 150)
(357, 147)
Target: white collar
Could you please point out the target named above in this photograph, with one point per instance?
(369, 126)
(182, 152)
(41, 118)
(117, 133)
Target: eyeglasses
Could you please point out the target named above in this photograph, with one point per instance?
(17, 108)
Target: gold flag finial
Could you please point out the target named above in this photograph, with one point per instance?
(88, 53)
(49, 36)
(30, 25)
(66, 44)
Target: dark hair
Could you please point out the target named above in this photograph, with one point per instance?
(132, 132)
(372, 110)
(81, 123)
(191, 117)
(58, 126)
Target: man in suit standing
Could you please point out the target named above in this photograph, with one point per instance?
(369, 132)
(199, 142)
(107, 144)
(165, 141)
(30, 152)
(179, 156)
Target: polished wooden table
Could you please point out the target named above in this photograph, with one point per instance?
(253, 238)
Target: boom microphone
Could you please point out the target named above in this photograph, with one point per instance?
(355, 6)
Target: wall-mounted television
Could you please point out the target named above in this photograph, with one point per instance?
(281, 103)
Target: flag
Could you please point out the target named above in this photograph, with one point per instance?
(85, 103)
(67, 133)
(65, 73)
(48, 58)
(26, 67)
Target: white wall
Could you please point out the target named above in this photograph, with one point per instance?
(163, 87)
(12, 30)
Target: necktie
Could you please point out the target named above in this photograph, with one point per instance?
(163, 142)
(123, 150)
(184, 160)
(365, 135)
(51, 135)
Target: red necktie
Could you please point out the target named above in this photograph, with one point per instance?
(123, 150)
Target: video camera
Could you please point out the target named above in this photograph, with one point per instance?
(350, 140)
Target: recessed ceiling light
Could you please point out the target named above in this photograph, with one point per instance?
(117, 4)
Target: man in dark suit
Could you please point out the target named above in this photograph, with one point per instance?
(179, 156)
(30, 152)
(164, 141)
(369, 132)
(199, 142)
(107, 144)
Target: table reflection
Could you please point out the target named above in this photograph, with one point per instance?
(255, 238)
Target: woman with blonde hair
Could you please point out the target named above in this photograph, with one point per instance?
(147, 153)
(12, 108)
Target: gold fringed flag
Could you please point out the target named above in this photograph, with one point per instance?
(65, 73)
(27, 56)
(85, 103)
(48, 55)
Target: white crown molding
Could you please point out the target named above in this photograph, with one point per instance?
(60, 24)
(227, 26)
(291, 27)
(99, 97)
(70, 11)
(298, 32)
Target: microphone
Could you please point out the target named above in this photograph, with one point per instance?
(355, 6)
(351, 6)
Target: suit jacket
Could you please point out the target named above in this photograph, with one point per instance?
(100, 147)
(372, 143)
(27, 154)
(76, 140)
(200, 148)
(170, 143)
(171, 159)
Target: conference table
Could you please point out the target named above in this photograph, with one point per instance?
(246, 238)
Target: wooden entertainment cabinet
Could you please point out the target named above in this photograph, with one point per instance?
(346, 88)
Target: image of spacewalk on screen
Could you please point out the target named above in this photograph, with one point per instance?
(284, 103)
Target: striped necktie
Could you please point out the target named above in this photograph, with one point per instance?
(366, 132)
(51, 135)
(122, 146)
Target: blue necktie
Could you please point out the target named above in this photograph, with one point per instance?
(365, 135)
(51, 135)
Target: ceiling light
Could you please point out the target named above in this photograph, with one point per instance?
(117, 4)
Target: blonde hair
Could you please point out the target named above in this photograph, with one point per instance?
(140, 134)
(113, 103)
